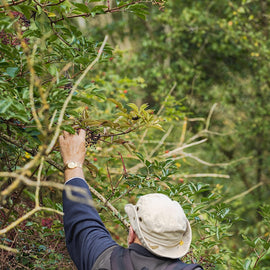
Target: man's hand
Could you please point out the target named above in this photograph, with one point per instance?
(73, 149)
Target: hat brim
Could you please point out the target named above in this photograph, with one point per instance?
(173, 252)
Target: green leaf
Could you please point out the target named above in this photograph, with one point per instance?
(5, 104)
(82, 7)
(68, 129)
(139, 10)
(120, 106)
(85, 100)
(249, 241)
(138, 7)
(11, 71)
(157, 126)
(140, 156)
(134, 107)
(98, 9)
(247, 264)
(29, 223)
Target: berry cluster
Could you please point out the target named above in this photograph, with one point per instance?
(23, 21)
(91, 137)
(10, 38)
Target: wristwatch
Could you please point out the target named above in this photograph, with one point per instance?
(73, 165)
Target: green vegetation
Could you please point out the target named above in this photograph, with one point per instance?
(174, 98)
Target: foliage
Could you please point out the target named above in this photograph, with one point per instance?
(140, 111)
(204, 54)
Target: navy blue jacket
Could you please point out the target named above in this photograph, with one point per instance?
(86, 235)
(87, 238)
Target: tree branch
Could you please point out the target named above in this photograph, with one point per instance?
(183, 155)
(215, 175)
(243, 193)
(12, 4)
(52, 184)
(179, 149)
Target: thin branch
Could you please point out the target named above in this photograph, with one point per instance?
(12, 4)
(196, 136)
(234, 197)
(243, 193)
(27, 149)
(120, 133)
(161, 141)
(11, 187)
(183, 155)
(9, 249)
(180, 149)
(116, 9)
(38, 182)
(210, 116)
(47, 209)
(26, 216)
(215, 175)
(123, 194)
(201, 119)
(53, 4)
(19, 220)
(184, 129)
(167, 96)
(110, 178)
(29, 182)
(123, 163)
(52, 119)
(57, 34)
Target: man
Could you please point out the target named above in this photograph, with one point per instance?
(159, 234)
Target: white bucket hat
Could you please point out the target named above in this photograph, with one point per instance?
(161, 225)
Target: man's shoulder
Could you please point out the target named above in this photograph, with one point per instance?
(103, 260)
(136, 257)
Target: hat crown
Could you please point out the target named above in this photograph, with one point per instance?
(157, 213)
(161, 225)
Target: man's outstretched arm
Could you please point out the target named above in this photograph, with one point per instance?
(86, 235)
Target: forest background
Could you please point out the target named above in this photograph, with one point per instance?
(174, 97)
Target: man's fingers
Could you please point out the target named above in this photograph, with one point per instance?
(66, 134)
(82, 133)
(61, 138)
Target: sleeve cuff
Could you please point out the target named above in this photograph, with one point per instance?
(73, 179)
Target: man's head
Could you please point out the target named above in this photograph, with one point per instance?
(160, 225)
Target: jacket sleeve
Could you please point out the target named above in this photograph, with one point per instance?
(86, 235)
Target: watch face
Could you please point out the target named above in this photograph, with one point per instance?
(71, 165)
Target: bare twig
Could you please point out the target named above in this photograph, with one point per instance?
(210, 116)
(166, 98)
(109, 10)
(236, 197)
(184, 155)
(180, 149)
(123, 163)
(14, 250)
(38, 182)
(161, 141)
(184, 129)
(26, 216)
(199, 175)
